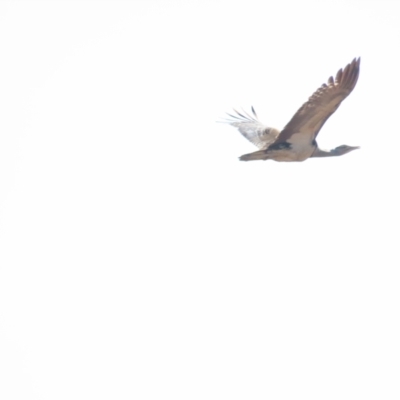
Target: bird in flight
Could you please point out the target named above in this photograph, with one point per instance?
(296, 141)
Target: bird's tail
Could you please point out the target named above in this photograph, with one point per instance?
(256, 155)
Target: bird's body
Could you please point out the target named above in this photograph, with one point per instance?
(296, 141)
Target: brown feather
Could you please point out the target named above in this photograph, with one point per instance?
(310, 118)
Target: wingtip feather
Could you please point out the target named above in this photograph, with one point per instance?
(254, 112)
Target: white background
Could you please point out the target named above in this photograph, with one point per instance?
(140, 259)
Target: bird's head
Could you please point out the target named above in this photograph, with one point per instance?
(343, 149)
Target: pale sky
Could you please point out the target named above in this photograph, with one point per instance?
(139, 259)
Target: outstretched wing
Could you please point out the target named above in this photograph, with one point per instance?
(252, 129)
(309, 119)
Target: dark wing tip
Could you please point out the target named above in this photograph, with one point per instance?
(242, 116)
(238, 113)
(347, 77)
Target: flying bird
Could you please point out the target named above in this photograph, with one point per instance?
(297, 140)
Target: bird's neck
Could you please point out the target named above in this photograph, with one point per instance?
(322, 153)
